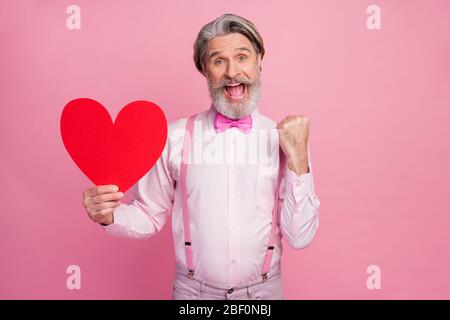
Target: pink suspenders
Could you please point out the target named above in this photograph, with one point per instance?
(183, 174)
(275, 222)
(188, 137)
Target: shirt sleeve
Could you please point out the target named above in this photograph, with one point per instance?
(153, 197)
(299, 206)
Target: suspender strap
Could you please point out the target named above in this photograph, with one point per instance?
(188, 136)
(275, 220)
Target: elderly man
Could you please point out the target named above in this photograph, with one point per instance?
(232, 193)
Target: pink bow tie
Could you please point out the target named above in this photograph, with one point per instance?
(222, 123)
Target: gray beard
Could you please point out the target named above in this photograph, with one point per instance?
(236, 110)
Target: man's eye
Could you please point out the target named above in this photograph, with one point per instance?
(218, 61)
(242, 58)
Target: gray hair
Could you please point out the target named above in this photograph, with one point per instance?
(223, 25)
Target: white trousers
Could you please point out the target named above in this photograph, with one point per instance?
(186, 288)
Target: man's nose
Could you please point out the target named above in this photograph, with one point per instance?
(232, 70)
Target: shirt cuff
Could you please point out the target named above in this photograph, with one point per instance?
(301, 185)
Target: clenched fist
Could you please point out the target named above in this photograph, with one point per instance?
(100, 202)
(293, 133)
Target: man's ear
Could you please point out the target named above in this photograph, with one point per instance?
(203, 71)
(259, 61)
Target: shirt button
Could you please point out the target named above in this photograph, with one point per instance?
(233, 261)
(230, 291)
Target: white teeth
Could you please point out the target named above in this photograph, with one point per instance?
(233, 85)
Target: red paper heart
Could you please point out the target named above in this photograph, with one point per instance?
(117, 153)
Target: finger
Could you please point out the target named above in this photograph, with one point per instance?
(97, 190)
(108, 197)
(288, 119)
(106, 205)
(305, 120)
(103, 213)
(281, 126)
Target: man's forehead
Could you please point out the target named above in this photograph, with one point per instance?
(230, 42)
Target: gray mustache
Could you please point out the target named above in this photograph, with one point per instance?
(225, 83)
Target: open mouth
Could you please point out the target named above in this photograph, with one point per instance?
(236, 91)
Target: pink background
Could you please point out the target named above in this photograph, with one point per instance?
(379, 108)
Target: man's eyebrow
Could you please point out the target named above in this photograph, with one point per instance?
(214, 53)
(244, 49)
